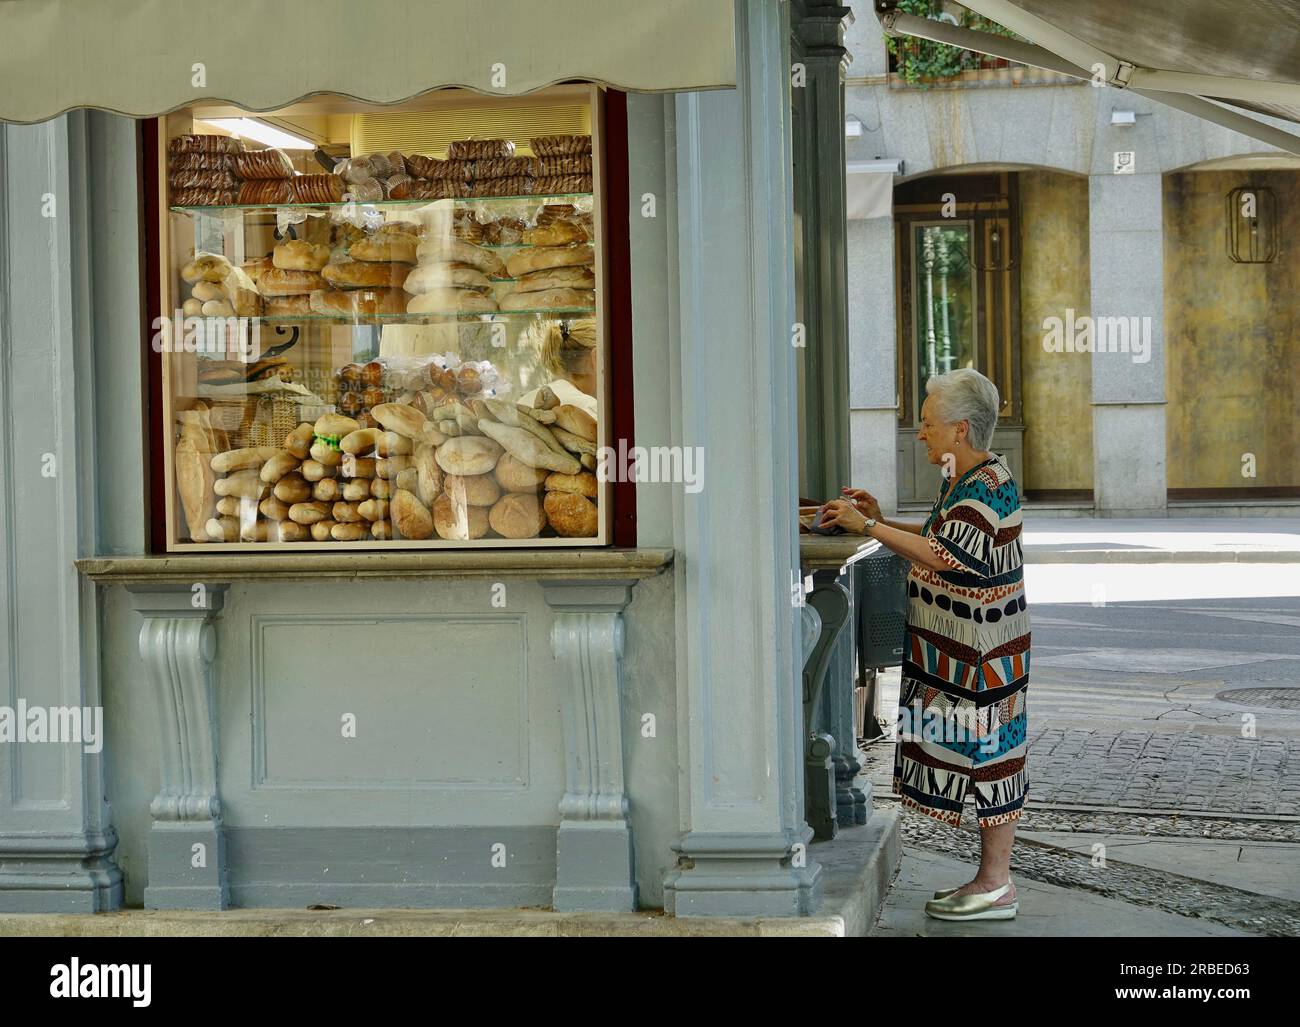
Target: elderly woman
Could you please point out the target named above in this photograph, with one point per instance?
(962, 717)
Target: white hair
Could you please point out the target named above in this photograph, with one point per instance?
(966, 395)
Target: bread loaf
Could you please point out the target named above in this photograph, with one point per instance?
(300, 255)
(428, 474)
(358, 302)
(456, 519)
(240, 459)
(516, 476)
(558, 233)
(344, 273)
(550, 299)
(583, 484)
(445, 274)
(469, 455)
(278, 281)
(571, 515)
(440, 249)
(538, 258)
(576, 420)
(458, 301)
(578, 277)
(411, 518)
(385, 246)
(517, 515)
(478, 489)
(292, 488)
(527, 447)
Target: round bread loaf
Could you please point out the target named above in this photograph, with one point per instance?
(516, 476)
(445, 274)
(300, 255)
(517, 515)
(578, 277)
(459, 521)
(449, 248)
(479, 489)
(289, 306)
(461, 301)
(364, 274)
(582, 484)
(192, 307)
(560, 232)
(469, 455)
(538, 258)
(385, 246)
(550, 299)
(358, 302)
(571, 515)
(277, 281)
(218, 308)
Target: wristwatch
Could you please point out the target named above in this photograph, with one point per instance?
(871, 522)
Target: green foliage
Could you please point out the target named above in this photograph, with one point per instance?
(920, 61)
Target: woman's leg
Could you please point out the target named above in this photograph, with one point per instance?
(995, 862)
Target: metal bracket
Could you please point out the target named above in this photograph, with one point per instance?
(1122, 74)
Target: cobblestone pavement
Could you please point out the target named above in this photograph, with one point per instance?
(1150, 770)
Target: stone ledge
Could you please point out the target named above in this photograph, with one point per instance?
(539, 564)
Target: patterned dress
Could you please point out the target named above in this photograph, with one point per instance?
(962, 717)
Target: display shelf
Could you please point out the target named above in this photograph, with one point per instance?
(459, 201)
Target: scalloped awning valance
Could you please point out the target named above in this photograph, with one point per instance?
(146, 57)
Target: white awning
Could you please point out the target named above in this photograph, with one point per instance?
(146, 57)
(1211, 58)
(869, 188)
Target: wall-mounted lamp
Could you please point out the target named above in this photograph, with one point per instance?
(1253, 234)
(995, 246)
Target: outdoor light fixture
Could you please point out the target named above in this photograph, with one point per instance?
(1253, 236)
(261, 132)
(852, 126)
(994, 246)
(1124, 119)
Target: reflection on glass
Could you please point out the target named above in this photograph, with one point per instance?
(945, 322)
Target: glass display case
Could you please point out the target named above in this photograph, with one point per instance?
(405, 351)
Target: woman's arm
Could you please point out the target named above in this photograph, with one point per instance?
(870, 507)
(905, 543)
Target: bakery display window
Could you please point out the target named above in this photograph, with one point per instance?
(388, 330)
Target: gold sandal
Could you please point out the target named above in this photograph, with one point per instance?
(979, 906)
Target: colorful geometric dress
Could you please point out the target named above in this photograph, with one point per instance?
(962, 718)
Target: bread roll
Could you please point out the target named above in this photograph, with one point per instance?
(479, 489)
(517, 515)
(550, 299)
(469, 455)
(278, 466)
(385, 246)
(516, 476)
(218, 308)
(350, 532)
(347, 513)
(381, 530)
(571, 515)
(205, 291)
(408, 421)
(538, 258)
(240, 459)
(300, 255)
(314, 470)
(192, 307)
(362, 440)
(327, 490)
(241, 483)
(292, 488)
(309, 512)
(277, 281)
(583, 483)
(578, 277)
(459, 301)
(334, 426)
(223, 529)
(382, 488)
(321, 530)
(358, 274)
(458, 520)
(357, 490)
(411, 518)
(286, 531)
(576, 420)
(445, 274)
(298, 441)
(373, 509)
(273, 509)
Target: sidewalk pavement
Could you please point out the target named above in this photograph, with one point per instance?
(1161, 540)
(1046, 911)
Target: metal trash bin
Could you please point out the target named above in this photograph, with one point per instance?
(880, 598)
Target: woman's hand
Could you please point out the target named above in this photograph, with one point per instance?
(840, 512)
(864, 501)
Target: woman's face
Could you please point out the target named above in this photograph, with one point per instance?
(939, 436)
